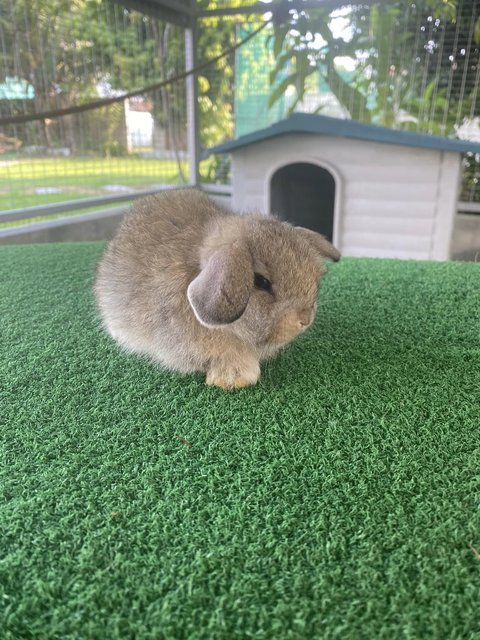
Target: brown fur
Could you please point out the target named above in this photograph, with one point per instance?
(177, 284)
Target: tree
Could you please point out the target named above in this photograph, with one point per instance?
(388, 86)
(22, 33)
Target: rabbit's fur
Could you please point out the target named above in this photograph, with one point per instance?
(178, 283)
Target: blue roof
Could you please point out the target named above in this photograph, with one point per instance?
(312, 123)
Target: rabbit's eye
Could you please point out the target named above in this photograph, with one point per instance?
(262, 283)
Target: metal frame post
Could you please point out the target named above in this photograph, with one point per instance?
(193, 138)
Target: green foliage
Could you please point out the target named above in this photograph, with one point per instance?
(216, 169)
(299, 56)
(99, 40)
(471, 178)
(385, 87)
(216, 91)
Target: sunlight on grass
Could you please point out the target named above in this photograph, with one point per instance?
(79, 178)
(88, 167)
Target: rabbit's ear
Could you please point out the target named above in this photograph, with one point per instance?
(321, 244)
(220, 292)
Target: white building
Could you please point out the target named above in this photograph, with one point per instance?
(371, 190)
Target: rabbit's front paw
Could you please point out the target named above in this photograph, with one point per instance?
(233, 377)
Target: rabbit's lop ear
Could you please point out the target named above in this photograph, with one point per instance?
(321, 244)
(220, 292)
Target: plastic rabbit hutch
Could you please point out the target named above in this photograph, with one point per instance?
(371, 190)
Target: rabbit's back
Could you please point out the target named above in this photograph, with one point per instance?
(144, 273)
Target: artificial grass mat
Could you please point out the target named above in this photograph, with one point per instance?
(337, 499)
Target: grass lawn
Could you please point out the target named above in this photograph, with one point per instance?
(339, 499)
(77, 178)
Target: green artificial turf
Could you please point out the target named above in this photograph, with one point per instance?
(337, 499)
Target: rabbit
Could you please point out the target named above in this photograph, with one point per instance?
(199, 288)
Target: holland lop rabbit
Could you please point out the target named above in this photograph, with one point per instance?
(197, 287)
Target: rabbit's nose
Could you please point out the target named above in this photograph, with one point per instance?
(305, 317)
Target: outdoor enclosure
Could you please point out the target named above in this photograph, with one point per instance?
(96, 108)
(337, 498)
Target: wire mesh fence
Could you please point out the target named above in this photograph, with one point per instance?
(58, 53)
(401, 64)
